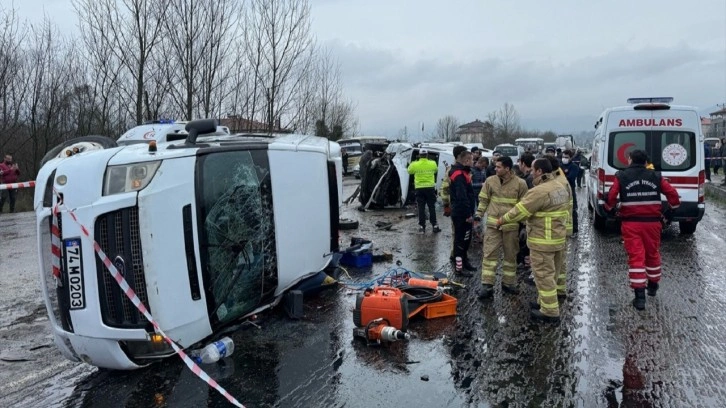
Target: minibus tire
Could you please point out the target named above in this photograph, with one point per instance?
(687, 227)
(103, 141)
(347, 224)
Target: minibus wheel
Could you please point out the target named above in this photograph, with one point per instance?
(83, 143)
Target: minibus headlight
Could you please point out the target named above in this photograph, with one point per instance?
(129, 177)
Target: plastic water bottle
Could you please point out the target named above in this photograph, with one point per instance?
(221, 348)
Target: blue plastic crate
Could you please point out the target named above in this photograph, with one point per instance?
(358, 260)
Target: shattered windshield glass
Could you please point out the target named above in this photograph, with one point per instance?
(238, 234)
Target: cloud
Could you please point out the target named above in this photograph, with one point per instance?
(394, 91)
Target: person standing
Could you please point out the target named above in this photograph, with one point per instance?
(523, 260)
(491, 168)
(445, 195)
(722, 154)
(707, 159)
(499, 194)
(462, 196)
(571, 172)
(344, 154)
(577, 160)
(717, 161)
(639, 190)
(545, 209)
(424, 176)
(9, 173)
(562, 259)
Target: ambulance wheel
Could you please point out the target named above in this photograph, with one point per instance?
(589, 206)
(687, 227)
(83, 143)
(599, 222)
(347, 224)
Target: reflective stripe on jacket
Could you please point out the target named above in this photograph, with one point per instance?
(497, 197)
(424, 173)
(559, 177)
(546, 209)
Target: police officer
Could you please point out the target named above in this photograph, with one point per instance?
(424, 174)
(545, 209)
(639, 190)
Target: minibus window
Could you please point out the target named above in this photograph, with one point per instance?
(237, 233)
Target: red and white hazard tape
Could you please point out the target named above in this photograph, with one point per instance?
(55, 242)
(13, 186)
(140, 306)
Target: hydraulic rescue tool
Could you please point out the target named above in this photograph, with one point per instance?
(380, 330)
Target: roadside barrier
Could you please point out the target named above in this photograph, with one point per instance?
(135, 300)
(12, 186)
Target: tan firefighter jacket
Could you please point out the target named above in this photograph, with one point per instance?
(496, 198)
(545, 207)
(562, 179)
(444, 193)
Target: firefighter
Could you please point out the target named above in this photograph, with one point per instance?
(562, 259)
(546, 209)
(445, 196)
(462, 211)
(498, 195)
(639, 190)
(424, 176)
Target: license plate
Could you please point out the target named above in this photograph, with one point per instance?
(74, 271)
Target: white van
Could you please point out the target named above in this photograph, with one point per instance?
(508, 149)
(670, 135)
(206, 232)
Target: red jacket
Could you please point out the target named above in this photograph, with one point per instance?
(9, 175)
(639, 202)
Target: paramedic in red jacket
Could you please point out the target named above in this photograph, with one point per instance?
(640, 212)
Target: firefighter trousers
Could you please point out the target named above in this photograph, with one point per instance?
(494, 241)
(562, 271)
(642, 243)
(544, 268)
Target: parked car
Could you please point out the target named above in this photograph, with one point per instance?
(207, 231)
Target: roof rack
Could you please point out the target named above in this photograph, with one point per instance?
(199, 127)
(659, 99)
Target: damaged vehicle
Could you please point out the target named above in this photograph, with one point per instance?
(385, 181)
(205, 230)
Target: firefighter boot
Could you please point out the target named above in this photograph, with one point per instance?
(639, 301)
(652, 288)
(486, 292)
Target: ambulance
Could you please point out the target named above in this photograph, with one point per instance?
(671, 136)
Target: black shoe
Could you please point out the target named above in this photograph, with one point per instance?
(529, 280)
(486, 292)
(437, 229)
(512, 290)
(534, 305)
(468, 266)
(561, 297)
(639, 300)
(652, 288)
(421, 230)
(463, 274)
(537, 315)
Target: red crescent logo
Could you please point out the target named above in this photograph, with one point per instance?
(622, 158)
(149, 134)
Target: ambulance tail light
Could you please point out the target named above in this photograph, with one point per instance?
(701, 186)
(600, 184)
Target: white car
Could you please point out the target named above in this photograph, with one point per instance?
(206, 231)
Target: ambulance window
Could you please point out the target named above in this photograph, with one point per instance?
(673, 151)
(237, 231)
(621, 143)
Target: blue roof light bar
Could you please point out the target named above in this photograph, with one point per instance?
(659, 99)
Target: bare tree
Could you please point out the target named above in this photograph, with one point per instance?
(11, 84)
(133, 30)
(281, 48)
(506, 123)
(446, 128)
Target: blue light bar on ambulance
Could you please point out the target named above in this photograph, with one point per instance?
(661, 99)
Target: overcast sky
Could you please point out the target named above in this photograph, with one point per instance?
(560, 63)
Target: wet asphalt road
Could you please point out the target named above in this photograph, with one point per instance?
(603, 354)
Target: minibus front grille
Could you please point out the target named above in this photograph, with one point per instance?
(118, 235)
